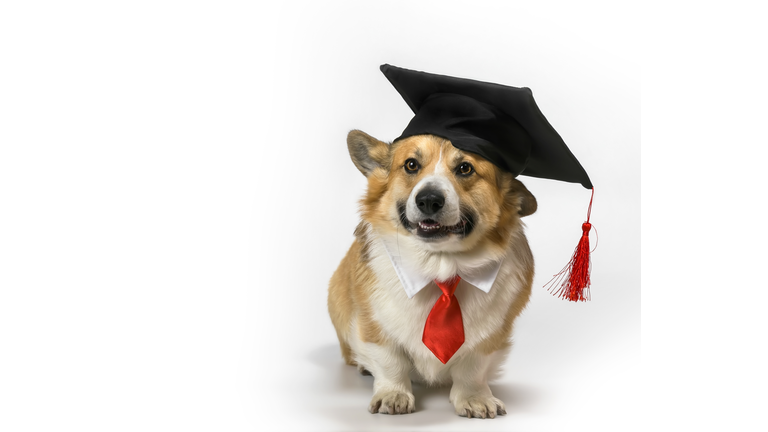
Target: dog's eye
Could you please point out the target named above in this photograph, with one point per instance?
(411, 166)
(465, 168)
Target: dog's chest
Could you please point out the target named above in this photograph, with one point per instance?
(402, 319)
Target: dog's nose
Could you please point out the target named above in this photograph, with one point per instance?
(430, 201)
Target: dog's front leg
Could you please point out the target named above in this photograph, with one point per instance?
(390, 367)
(470, 394)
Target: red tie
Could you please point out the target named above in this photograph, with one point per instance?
(444, 330)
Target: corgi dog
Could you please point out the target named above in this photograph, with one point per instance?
(431, 212)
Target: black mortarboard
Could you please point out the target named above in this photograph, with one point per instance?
(500, 123)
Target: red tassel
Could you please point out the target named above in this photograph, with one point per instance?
(573, 282)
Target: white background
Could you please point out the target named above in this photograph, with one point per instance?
(175, 193)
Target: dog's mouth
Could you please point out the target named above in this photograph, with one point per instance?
(432, 229)
(429, 227)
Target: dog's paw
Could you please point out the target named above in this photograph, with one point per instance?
(479, 406)
(392, 402)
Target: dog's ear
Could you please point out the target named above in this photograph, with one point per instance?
(527, 202)
(367, 152)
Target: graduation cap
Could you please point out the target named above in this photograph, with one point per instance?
(504, 125)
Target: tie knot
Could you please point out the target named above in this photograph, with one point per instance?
(448, 287)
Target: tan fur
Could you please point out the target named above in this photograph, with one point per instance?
(348, 296)
(498, 199)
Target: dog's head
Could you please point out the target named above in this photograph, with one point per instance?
(445, 199)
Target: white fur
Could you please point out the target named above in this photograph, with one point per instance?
(439, 168)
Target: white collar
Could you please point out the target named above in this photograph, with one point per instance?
(414, 280)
